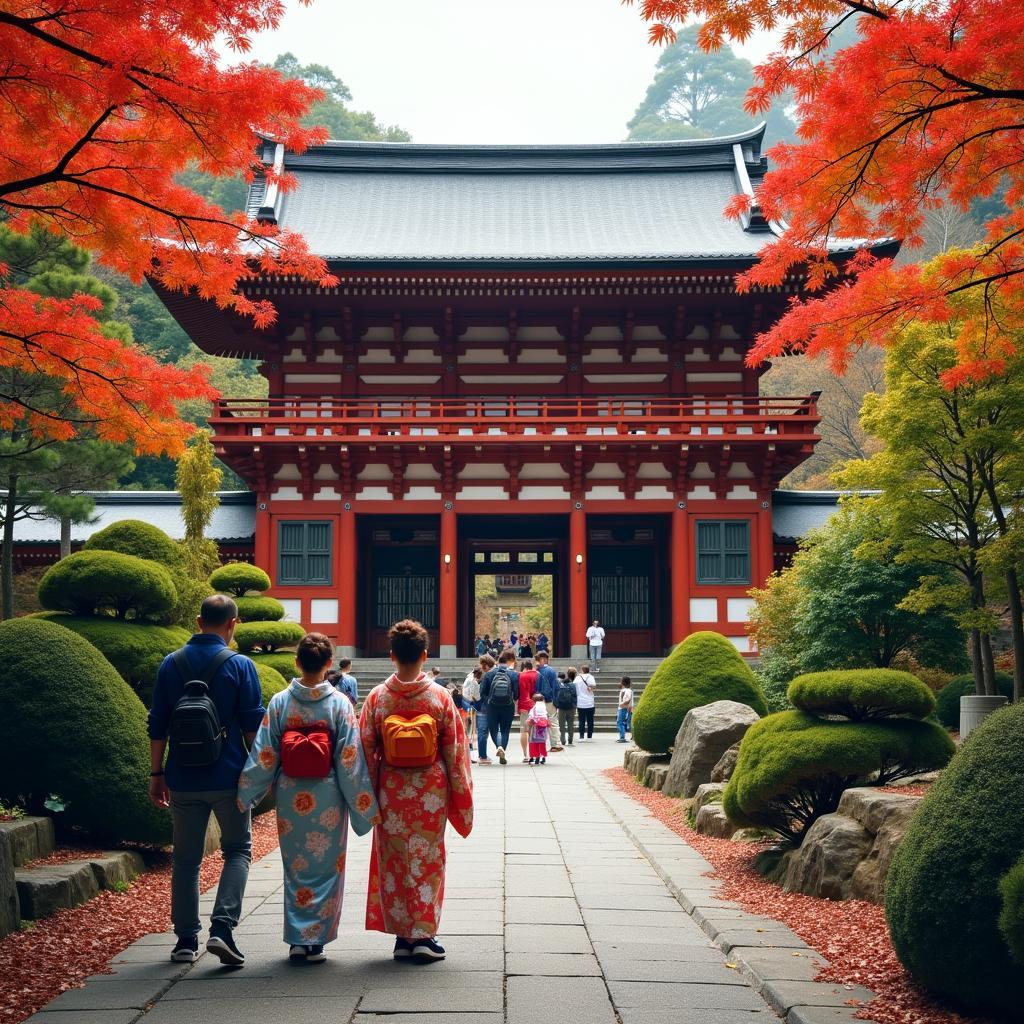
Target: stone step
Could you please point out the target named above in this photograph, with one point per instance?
(30, 838)
(47, 888)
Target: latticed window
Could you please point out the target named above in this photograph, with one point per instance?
(723, 551)
(621, 601)
(405, 597)
(304, 553)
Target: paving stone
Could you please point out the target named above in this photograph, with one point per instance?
(578, 999)
(87, 1017)
(684, 996)
(631, 1015)
(656, 951)
(546, 938)
(556, 965)
(775, 938)
(527, 910)
(822, 1015)
(781, 996)
(161, 969)
(421, 1018)
(761, 965)
(442, 1000)
(244, 1009)
(111, 995)
(681, 971)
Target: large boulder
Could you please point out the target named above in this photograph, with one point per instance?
(10, 913)
(722, 772)
(887, 817)
(705, 735)
(828, 857)
(711, 820)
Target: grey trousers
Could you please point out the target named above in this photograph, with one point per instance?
(190, 815)
(566, 725)
(554, 737)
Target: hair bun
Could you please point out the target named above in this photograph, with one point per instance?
(314, 651)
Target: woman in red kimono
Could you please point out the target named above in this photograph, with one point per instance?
(415, 746)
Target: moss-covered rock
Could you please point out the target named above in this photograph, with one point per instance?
(792, 767)
(102, 582)
(134, 649)
(942, 896)
(271, 682)
(259, 609)
(947, 704)
(704, 668)
(267, 636)
(138, 538)
(239, 579)
(860, 694)
(74, 729)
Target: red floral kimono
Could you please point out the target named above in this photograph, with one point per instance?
(407, 866)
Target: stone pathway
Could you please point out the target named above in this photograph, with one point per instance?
(569, 903)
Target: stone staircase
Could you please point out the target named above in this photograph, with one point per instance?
(371, 671)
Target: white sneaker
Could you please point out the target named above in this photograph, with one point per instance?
(501, 755)
(297, 953)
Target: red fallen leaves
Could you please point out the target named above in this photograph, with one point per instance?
(852, 935)
(923, 109)
(61, 951)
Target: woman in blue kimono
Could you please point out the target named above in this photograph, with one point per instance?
(312, 813)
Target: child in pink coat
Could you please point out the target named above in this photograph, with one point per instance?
(537, 721)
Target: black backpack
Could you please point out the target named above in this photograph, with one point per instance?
(565, 695)
(197, 737)
(501, 690)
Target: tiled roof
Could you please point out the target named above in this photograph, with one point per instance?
(234, 519)
(795, 513)
(627, 203)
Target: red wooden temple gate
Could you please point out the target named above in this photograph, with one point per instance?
(533, 361)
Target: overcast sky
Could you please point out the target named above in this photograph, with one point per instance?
(521, 71)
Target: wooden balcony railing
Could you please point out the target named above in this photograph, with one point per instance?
(709, 420)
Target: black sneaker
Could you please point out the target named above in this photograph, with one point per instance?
(427, 950)
(403, 949)
(297, 952)
(222, 945)
(186, 951)
(315, 955)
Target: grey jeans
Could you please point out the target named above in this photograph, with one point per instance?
(190, 815)
(595, 653)
(566, 725)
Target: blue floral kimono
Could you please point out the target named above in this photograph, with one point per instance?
(312, 814)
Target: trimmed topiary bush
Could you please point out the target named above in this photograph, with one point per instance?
(947, 704)
(267, 636)
(271, 682)
(134, 649)
(704, 668)
(239, 578)
(1011, 918)
(942, 894)
(76, 730)
(100, 582)
(259, 609)
(138, 538)
(862, 693)
(282, 662)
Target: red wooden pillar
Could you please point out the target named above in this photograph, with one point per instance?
(578, 583)
(765, 542)
(261, 549)
(679, 575)
(346, 567)
(449, 619)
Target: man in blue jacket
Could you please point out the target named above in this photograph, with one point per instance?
(547, 684)
(194, 793)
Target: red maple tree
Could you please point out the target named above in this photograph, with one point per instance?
(102, 103)
(926, 108)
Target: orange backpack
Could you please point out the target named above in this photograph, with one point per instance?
(410, 742)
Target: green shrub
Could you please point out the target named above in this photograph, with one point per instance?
(942, 896)
(97, 582)
(947, 704)
(135, 537)
(267, 636)
(239, 578)
(134, 649)
(1011, 918)
(259, 609)
(284, 663)
(271, 682)
(704, 668)
(74, 729)
(191, 594)
(793, 767)
(862, 693)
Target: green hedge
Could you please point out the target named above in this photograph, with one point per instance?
(239, 578)
(271, 681)
(74, 729)
(1011, 917)
(138, 538)
(283, 663)
(942, 895)
(267, 636)
(259, 609)
(704, 668)
(947, 705)
(862, 693)
(97, 582)
(793, 767)
(134, 649)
